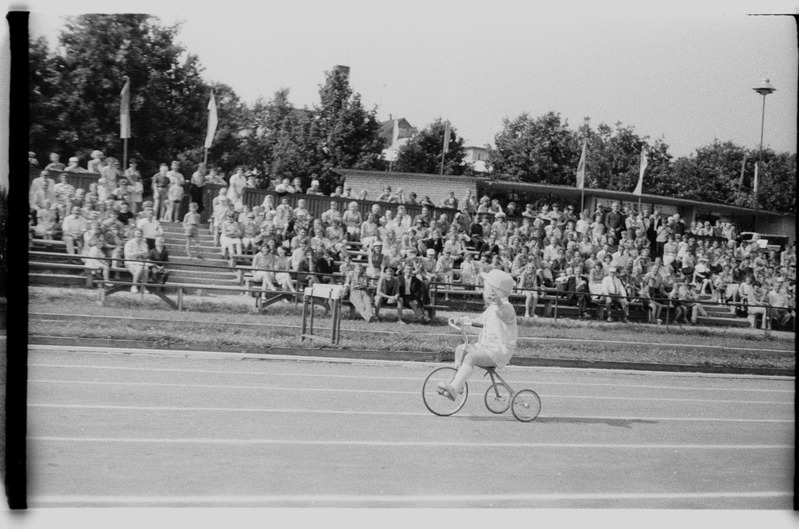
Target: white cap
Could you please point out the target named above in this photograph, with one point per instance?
(501, 282)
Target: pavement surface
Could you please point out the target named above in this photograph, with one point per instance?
(165, 429)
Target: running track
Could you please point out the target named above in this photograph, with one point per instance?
(109, 428)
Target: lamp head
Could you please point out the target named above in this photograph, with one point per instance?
(765, 88)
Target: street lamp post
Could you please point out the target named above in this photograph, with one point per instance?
(764, 89)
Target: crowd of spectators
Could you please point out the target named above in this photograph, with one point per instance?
(597, 259)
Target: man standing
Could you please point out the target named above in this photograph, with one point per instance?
(160, 184)
(614, 221)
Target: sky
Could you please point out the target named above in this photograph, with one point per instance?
(684, 76)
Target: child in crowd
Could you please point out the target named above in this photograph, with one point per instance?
(191, 223)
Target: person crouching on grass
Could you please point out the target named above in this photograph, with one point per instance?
(497, 342)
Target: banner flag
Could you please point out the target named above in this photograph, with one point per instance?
(754, 186)
(743, 166)
(581, 169)
(446, 137)
(644, 162)
(213, 121)
(124, 112)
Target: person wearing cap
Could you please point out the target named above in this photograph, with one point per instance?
(614, 292)
(497, 342)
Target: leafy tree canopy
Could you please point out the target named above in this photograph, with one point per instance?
(423, 152)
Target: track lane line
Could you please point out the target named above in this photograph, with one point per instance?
(380, 413)
(218, 355)
(400, 444)
(393, 498)
(371, 377)
(376, 391)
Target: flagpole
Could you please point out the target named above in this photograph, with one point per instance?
(582, 199)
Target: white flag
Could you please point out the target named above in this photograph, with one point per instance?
(446, 138)
(754, 185)
(581, 169)
(213, 120)
(124, 111)
(644, 162)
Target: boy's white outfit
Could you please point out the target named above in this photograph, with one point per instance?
(497, 341)
(498, 338)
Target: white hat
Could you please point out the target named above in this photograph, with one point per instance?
(612, 269)
(431, 251)
(500, 281)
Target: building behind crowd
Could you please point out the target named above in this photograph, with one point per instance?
(438, 187)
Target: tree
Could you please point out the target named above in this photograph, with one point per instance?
(777, 182)
(347, 134)
(541, 149)
(613, 158)
(44, 80)
(423, 152)
(168, 96)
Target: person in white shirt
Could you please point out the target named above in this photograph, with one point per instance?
(72, 229)
(150, 228)
(136, 249)
(497, 342)
(614, 292)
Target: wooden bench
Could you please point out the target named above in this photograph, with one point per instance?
(91, 277)
(162, 289)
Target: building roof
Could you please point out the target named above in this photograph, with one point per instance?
(571, 192)
(387, 129)
(398, 176)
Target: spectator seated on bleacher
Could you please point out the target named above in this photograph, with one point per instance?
(158, 258)
(136, 253)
